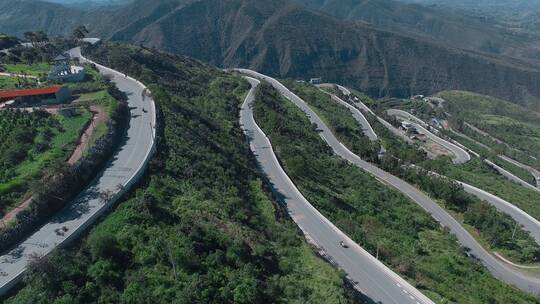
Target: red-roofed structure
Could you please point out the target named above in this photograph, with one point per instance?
(56, 94)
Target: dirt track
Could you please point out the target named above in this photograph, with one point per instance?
(98, 117)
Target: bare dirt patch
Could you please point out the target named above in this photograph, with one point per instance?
(98, 116)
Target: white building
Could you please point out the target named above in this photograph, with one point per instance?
(316, 80)
(64, 72)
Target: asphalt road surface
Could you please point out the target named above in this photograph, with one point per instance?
(127, 164)
(372, 277)
(357, 115)
(498, 268)
(461, 156)
(531, 170)
(360, 118)
(501, 170)
(509, 175)
(528, 222)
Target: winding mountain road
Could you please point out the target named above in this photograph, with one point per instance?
(495, 266)
(509, 175)
(124, 169)
(528, 222)
(535, 173)
(461, 156)
(371, 276)
(358, 116)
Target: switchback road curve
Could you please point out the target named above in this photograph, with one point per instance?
(528, 222)
(461, 156)
(495, 266)
(371, 276)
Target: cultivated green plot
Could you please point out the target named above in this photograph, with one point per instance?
(37, 69)
(30, 143)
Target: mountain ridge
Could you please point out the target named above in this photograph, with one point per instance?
(284, 39)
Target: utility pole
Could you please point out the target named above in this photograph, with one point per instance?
(514, 233)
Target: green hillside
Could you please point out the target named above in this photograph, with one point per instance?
(513, 130)
(201, 228)
(378, 218)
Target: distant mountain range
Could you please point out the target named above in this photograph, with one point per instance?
(381, 47)
(89, 3)
(518, 15)
(483, 4)
(446, 27)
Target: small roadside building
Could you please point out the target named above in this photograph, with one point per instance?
(407, 126)
(63, 71)
(316, 80)
(30, 97)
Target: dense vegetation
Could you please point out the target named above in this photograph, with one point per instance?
(497, 231)
(30, 143)
(520, 172)
(493, 229)
(469, 107)
(202, 228)
(378, 218)
(339, 117)
(58, 183)
(516, 128)
(7, 41)
(479, 174)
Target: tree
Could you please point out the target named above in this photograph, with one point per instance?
(30, 37)
(36, 38)
(44, 272)
(79, 32)
(41, 38)
(103, 246)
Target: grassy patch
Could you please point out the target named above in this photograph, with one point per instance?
(480, 175)
(16, 83)
(338, 116)
(38, 69)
